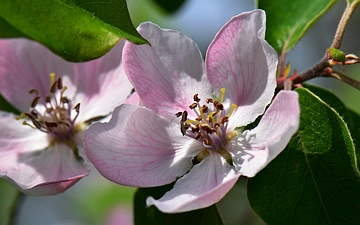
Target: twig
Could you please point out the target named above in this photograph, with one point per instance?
(344, 78)
(350, 8)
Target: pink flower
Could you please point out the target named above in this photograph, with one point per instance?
(205, 149)
(45, 155)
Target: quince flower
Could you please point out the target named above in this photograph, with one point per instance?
(190, 127)
(41, 151)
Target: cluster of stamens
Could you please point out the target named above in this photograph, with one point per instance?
(56, 119)
(210, 126)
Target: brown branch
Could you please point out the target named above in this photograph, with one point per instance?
(350, 8)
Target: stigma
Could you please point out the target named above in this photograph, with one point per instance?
(209, 128)
(53, 114)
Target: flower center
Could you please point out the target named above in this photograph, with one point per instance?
(210, 126)
(55, 117)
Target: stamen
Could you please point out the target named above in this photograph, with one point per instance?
(205, 109)
(59, 83)
(52, 78)
(224, 119)
(233, 107)
(34, 91)
(193, 105)
(184, 116)
(53, 87)
(178, 114)
(77, 108)
(206, 128)
(222, 90)
(35, 101)
(196, 98)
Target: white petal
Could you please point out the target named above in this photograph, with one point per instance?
(205, 184)
(139, 148)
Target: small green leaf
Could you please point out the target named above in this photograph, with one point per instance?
(315, 180)
(152, 216)
(287, 21)
(77, 30)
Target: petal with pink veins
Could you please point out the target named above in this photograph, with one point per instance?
(170, 71)
(139, 148)
(44, 172)
(25, 65)
(270, 137)
(242, 62)
(101, 84)
(205, 184)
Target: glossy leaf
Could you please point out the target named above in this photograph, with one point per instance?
(77, 30)
(315, 180)
(152, 216)
(287, 21)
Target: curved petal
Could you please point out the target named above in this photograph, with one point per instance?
(17, 138)
(204, 185)
(44, 172)
(100, 85)
(25, 65)
(167, 74)
(270, 137)
(242, 62)
(139, 148)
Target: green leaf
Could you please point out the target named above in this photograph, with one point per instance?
(315, 180)
(6, 106)
(8, 195)
(152, 216)
(287, 21)
(77, 30)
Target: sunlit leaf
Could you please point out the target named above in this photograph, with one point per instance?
(315, 180)
(77, 30)
(287, 21)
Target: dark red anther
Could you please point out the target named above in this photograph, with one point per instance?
(196, 98)
(193, 106)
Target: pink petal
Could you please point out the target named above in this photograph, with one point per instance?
(134, 99)
(139, 148)
(270, 137)
(44, 172)
(167, 74)
(30, 164)
(101, 84)
(204, 185)
(25, 65)
(16, 138)
(242, 62)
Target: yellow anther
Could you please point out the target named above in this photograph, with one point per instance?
(233, 107)
(52, 78)
(222, 90)
(63, 90)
